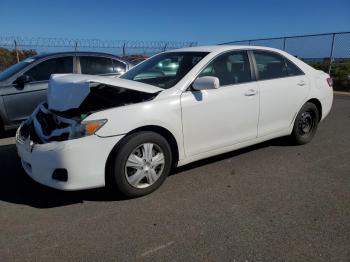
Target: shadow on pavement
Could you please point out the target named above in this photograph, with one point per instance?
(280, 142)
(16, 187)
(7, 134)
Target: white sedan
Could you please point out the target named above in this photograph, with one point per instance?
(172, 109)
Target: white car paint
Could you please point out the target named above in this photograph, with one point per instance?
(235, 119)
(84, 158)
(285, 96)
(203, 123)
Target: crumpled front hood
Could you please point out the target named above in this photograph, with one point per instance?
(68, 91)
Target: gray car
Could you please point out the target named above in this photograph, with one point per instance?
(24, 85)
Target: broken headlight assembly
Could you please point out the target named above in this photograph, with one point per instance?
(87, 128)
(45, 126)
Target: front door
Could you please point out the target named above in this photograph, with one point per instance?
(222, 117)
(20, 102)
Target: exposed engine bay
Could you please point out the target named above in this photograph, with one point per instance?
(47, 125)
(103, 97)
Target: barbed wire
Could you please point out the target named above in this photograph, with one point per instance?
(329, 52)
(283, 37)
(35, 42)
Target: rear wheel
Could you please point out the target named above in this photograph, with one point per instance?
(306, 124)
(141, 164)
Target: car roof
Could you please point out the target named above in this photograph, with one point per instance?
(76, 53)
(221, 48)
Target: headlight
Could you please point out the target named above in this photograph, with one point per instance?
(88, 128)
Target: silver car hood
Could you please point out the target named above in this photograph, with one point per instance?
(68, 91)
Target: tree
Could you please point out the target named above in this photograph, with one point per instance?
(8, 57)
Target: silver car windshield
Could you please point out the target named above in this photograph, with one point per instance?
(164, 70)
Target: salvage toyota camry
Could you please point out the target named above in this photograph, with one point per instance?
(172, 109)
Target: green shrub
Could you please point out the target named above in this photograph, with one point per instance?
(340, 72)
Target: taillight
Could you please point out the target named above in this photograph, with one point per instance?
(330, 81)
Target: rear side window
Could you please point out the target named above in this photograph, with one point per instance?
(100, 66)
(271, 65)
(292, 70)
(231, 68)
(43, 71)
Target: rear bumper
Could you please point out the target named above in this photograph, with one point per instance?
(84, 159)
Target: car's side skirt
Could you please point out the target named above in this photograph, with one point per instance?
(219, 151)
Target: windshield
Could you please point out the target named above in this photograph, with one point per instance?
(15, 68)
(164, 70)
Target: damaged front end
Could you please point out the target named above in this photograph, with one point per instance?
(45, 126)
(71, 102)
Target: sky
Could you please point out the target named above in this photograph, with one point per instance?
(205, 22)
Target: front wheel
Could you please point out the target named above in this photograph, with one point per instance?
(305, 124)
(142, 163)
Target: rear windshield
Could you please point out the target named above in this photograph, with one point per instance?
(15, 68)
(164, 70)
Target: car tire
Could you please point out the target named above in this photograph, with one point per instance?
(142, 162)
(305, 124)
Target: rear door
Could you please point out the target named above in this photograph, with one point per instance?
(283, 88)
(20, 102)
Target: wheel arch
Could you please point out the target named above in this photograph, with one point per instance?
(318, 105)
(166, 134)
(153, 128)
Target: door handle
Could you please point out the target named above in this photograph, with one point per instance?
(301, 83)
(251, 92)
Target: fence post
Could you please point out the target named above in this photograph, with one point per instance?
(284, 43)
(164, 49)
(76, 46)
(249, 42)
(16, 49)
(331, 54)
(124, 49)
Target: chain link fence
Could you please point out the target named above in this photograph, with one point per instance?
(118, 47)
(17, 48)
(328, 52)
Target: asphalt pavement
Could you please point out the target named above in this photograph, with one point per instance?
(269, 202)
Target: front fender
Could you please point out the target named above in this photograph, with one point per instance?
(165, 113)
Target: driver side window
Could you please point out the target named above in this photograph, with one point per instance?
(43, 70)
(230, 68)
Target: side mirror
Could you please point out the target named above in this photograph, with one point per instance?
(205, 83)
(22, 80)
